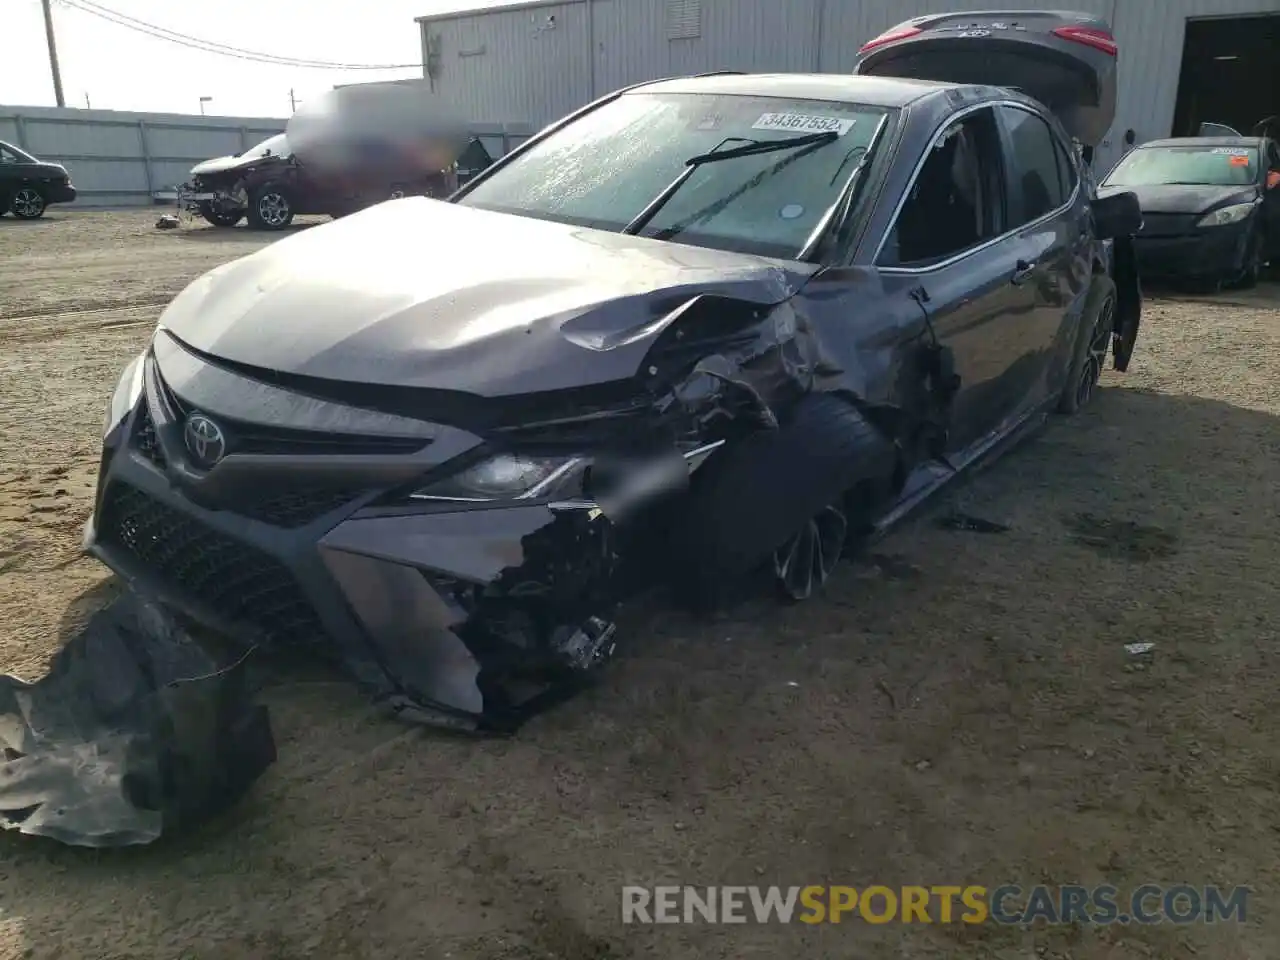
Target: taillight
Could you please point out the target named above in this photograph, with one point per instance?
(889, 36)
(1090, 37)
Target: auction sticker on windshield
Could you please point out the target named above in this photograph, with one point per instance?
(1231, 151)
(803, 123)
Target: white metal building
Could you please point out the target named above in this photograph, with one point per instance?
(1181, 61)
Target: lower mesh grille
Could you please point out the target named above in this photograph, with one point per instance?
(235, 580)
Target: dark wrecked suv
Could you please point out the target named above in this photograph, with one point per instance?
(702, 328)
(268, 185)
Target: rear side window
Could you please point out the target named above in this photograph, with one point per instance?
(1037, 184)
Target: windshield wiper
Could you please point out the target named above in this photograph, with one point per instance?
(750, 148)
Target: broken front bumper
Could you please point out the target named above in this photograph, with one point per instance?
(191, 196)
(459, 616)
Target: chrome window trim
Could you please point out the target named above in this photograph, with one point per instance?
(915, 175)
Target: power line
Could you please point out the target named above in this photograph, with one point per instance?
(209, 46)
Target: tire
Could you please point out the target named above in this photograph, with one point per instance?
(28, 203)
(1253, 259)
(270, 207)
(1097, 324)
(755, 497)
(218, 217)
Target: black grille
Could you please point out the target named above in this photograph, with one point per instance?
(296, 507)
(265, 438)
(233, 579)
(288, 508)
(144, 437)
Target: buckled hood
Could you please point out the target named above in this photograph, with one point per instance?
(424, 293)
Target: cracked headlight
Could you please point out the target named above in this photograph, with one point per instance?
(128, 390)
(506, 476)
(1227, 215)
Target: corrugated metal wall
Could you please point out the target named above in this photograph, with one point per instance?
(518, 65)
(120, 159)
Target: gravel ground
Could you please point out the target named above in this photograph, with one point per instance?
(958, 707)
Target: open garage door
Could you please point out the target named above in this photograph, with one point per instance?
(1230, 74)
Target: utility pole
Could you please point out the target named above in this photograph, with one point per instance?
(87, 104)
(53, 52)
(293, 102)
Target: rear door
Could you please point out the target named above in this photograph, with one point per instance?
(950, 236)
(1048, 215)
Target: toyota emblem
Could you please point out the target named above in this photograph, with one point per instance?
(204, 439)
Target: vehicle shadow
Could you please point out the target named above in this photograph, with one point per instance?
(978, 680)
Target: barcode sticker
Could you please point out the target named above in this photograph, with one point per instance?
(802, 123)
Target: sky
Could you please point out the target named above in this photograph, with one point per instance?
(116, 68)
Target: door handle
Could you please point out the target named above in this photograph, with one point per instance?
(1023, 271)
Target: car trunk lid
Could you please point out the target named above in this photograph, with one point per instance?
(1065, 60)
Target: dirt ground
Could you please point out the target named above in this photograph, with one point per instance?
(958, 708)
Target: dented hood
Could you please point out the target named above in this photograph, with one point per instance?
(424, 293)
(221, 165)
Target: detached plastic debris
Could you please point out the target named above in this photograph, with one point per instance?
(168, 222)
(136, 731)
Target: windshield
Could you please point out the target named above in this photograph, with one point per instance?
(276, 146)
(1199, 165)
(605, 168)
(11, 154)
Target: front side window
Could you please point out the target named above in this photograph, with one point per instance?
(606, 167)
(9, 154)
(1036, 178)
(956, 202)
(1190, 165)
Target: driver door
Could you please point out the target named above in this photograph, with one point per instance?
(950, 237)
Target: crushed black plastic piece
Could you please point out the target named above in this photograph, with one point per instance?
(136, 731)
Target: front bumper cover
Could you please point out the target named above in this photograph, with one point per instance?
(190, 196)
(1210, 252)
(469, 618)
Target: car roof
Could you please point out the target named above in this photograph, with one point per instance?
(1205, 142)
(873, 91)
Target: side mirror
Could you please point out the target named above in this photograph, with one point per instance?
(1117, 215)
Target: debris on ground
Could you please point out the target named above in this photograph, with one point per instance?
(967, 523)
(168, 222)
(1138, 649)
(136, 731)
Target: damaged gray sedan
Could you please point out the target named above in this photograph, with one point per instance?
(701, 328)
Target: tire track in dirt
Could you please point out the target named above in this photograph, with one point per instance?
(77, 323)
